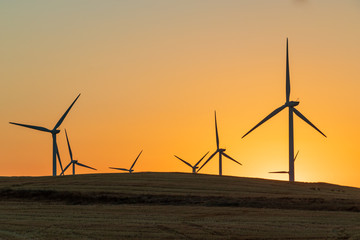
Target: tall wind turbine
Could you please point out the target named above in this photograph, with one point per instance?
(218, 150)
(130, 170)
(193, 167)
(53, 132)
(291, 105)
(286, 171)
(72, 161)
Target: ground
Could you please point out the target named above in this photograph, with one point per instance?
(175, 206)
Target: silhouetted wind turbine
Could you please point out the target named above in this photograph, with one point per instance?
(72, 161)
(131, 168)
(53, 132)
(193, 167)
(286, 171)
(218, 150)
(291, 105)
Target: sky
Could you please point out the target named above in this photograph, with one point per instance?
(152, 73)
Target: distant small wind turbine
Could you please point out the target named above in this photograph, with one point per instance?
(218, 150)
(131, 168)
(286, 171)
(291, 105)
(53, 132)
(72, 161)
(193, 167)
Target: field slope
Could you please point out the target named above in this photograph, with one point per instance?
(175, 206)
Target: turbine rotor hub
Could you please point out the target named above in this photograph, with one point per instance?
(292, 103)
(56, 131)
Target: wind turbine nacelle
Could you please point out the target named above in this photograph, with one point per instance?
(55, 131)
(293, 103)
(130, 171)
(222, 150)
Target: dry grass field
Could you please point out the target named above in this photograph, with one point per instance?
(175, 206)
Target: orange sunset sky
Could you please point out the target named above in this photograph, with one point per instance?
(151, 74)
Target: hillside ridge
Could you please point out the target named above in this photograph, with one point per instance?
(152, 188)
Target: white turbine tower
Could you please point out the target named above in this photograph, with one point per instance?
(72, 161)
(218, 150)
(291, 105)
(130, 170)
(53, 132)
(193, 167)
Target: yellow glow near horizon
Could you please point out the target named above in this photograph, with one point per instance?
(152, 73)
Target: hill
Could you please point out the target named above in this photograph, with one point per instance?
(175, 206)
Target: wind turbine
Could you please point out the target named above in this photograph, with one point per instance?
(218, 150)
(286, 171)
(53, 132)
(131, 168)
(72, 161)
(193, 167)
(291, 105)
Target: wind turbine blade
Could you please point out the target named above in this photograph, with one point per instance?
(64, 115)
(58, 155)
(230, 158)
(296, 155)
(276, 111)
(279, 172)
(201, 159)
(307, 121)
(287, 73)
(184, 161)
(68, 143)
(217, 134)
(66, 168)
(122, 169)
(135, 160)
(32, 127)
(82, 165)
(212, 155)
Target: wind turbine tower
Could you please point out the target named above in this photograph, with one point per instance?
(286, 171)
(291, 105)
(130, 170)
(53, 132)
(196, 164)
(218, 150)
(72, 161)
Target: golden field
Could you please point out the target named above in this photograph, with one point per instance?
(175, 206)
